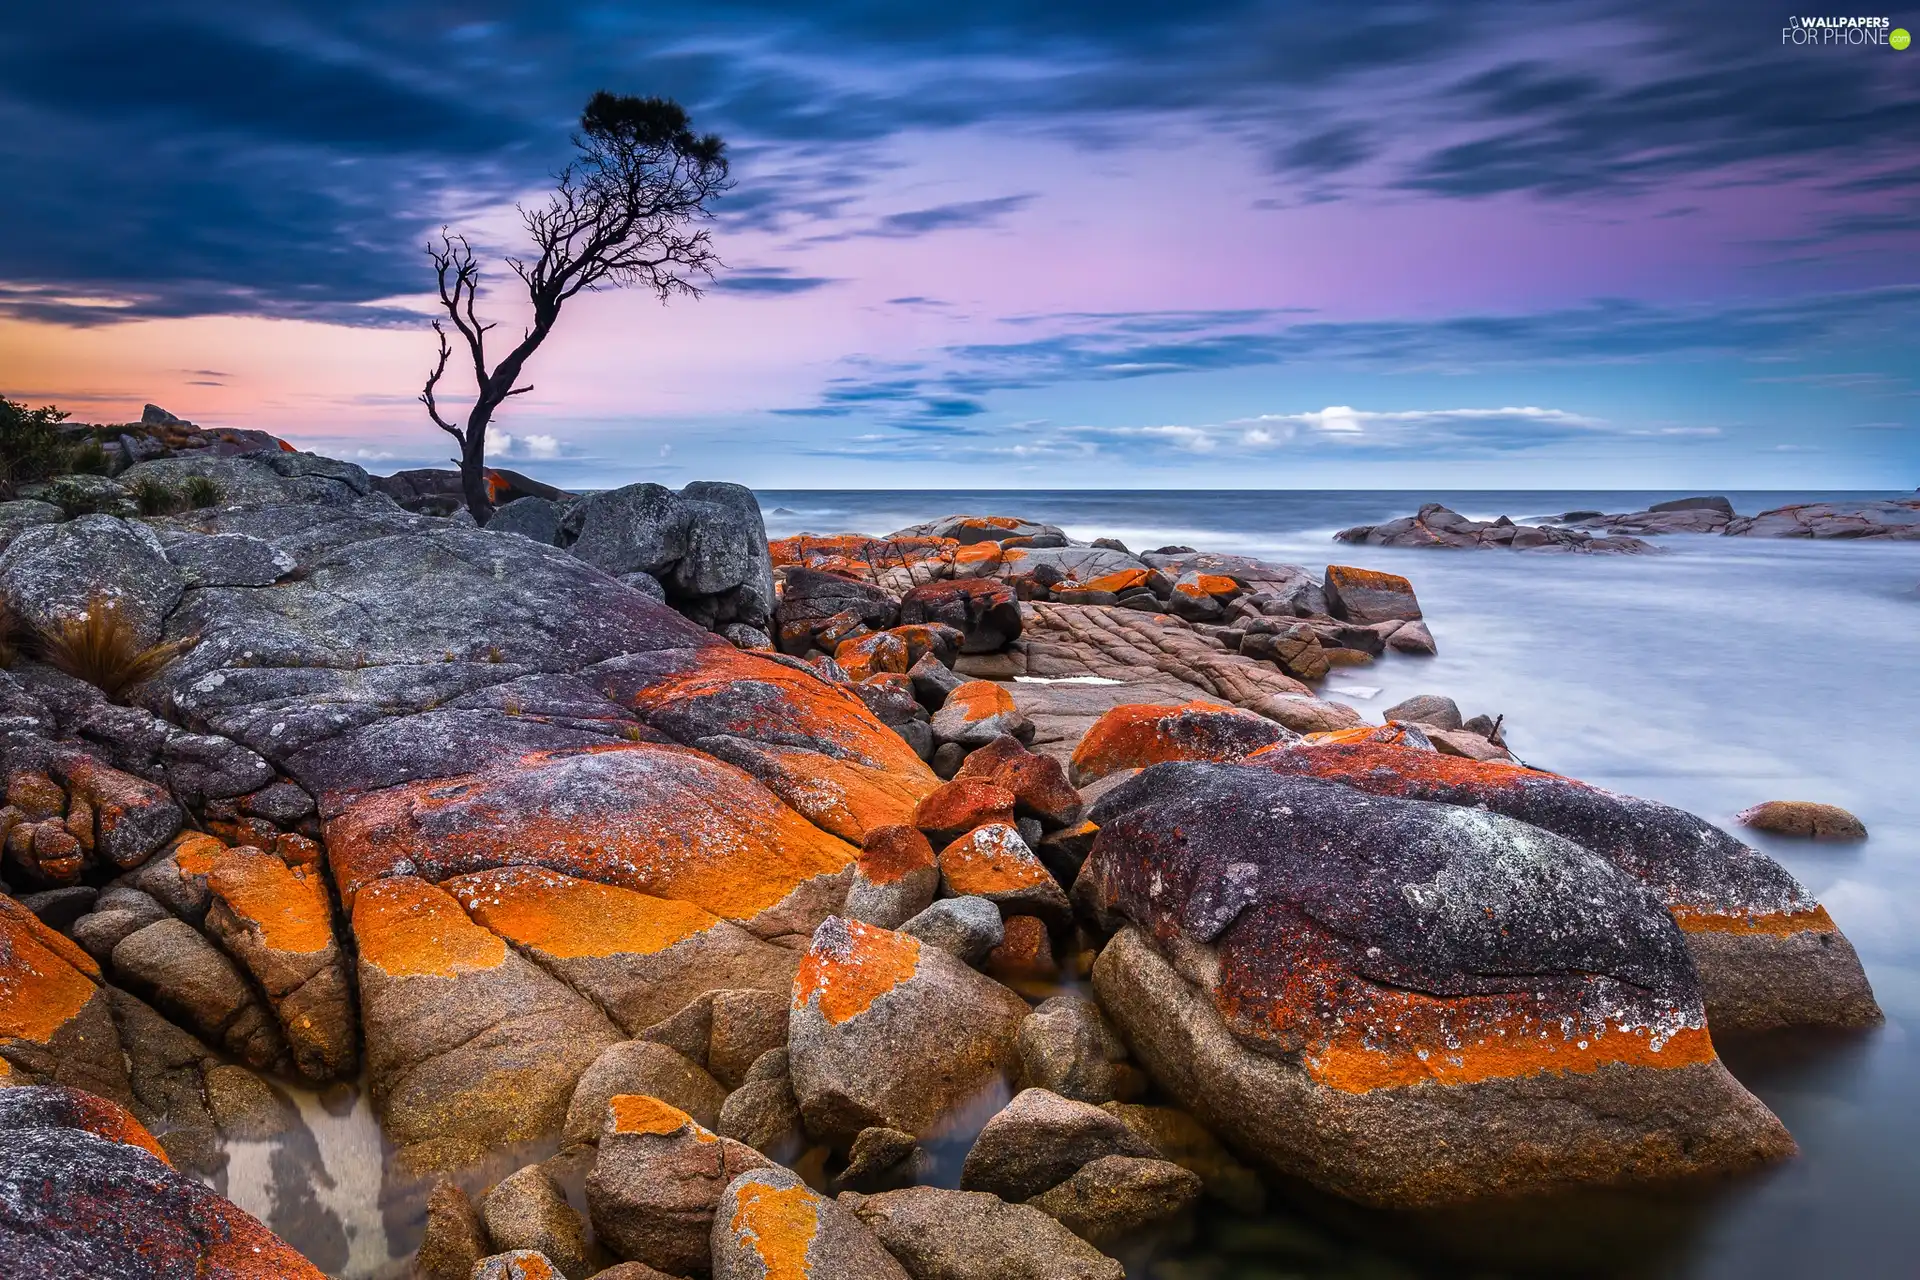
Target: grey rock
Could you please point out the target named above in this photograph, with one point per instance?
(281, 802)
(880, 1159)
(528, 1210)
(536, 518)
(966, 927)
(1039, 1139)
(970, 1235)
(100, 931)
(51, 572)
(646, 584)
(225, 559)
(763, 1113)
(1114, 1199)
(299, 465)
(204, 766)
(58, 909)
(25, 513)
(1428, 709)
(1068, 1047)
(189, 978)
(933, 680)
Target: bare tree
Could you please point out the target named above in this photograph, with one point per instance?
(623, 212)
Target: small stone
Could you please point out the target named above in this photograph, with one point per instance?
(880, 1160)
(455, 1238)
(641, 1067)
(1428, 709)
(517, 1264)
(1038, 1140)
(1068, 1047)
(1114, 1199)
(746, 1025)
(1803, 818)
(966, 927)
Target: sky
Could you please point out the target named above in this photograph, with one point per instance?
(1074, 244)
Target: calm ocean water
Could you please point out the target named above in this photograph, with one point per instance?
(1729, 671)
(1724, 673)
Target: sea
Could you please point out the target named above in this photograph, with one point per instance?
(1720, 673)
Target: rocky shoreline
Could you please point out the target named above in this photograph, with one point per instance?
(1625, 533)
(677, 895)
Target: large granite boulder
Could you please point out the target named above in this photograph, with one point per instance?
(1767, 953)
(982, 610)
(706, 545)
(889, 1032)
(1406, 1003)
(54, 572)
(812, 599)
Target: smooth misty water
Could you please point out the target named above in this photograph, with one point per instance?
(1727, 672)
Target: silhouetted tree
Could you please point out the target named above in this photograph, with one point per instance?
(623, 212)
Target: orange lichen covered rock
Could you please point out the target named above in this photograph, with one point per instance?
(1367, 595)
(277, 920)
(1133, 737)
(1406, 1003)
(639, 958)
(771, 1226)
(656, 1180)
(960, 806)
(994, 863)
(1024, 959)
(469, 1044)
(88, 1193)
(1767, 953)
(896, 878)
(1038, 782)
(842, 797)
(131, 816)
(871, 655)
(56, 1026)
(887, 1032)
(1393, 734)
(1118, 581)
(662, 820)
(693, 694)
(978, 712)
(981, 609)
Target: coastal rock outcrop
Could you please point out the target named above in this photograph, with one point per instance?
(1364, 991)
(1435, 526)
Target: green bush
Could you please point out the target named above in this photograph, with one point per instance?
(88, 458)
(32, 447)
(202, 491)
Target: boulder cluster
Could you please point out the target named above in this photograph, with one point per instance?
(1437, 526)
(1600, 532)
(665, 956)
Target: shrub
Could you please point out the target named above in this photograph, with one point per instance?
(155, 497)
(100, 647)
(202, 491)
(32, 447)
(88, 458)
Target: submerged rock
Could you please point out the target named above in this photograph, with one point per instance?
(1803, 818)
(1406, 1003)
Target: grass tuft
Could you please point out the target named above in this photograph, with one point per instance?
(101, 647)
(202, 492)
(89, 459)
(155, 497)
(9, 634)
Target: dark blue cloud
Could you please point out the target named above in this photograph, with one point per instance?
(776, 282)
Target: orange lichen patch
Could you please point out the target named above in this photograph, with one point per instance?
(1118, 581)
(1370, 751)
(860, 555)
(778, 1224)
(195, 854)
(961, 805)
(990, 860)
(978, 557)
(1347, 576)
(870, 655)
(843, 797)
(568, 918)
(1135, 736)
(1779, 924)
(408, 928)
(659, 819)
(641, 1113)
(776, 702)
(43, 983)
(891, 854)
(980, 699)
(1212, 585)
(850, 965)
(1353, 1067)
(922, 638)
(289, 905)
(497, 486)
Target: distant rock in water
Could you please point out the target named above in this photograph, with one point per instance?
(1897, 519)
(1803, 818)
(1436, 526)
(1678, 515)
